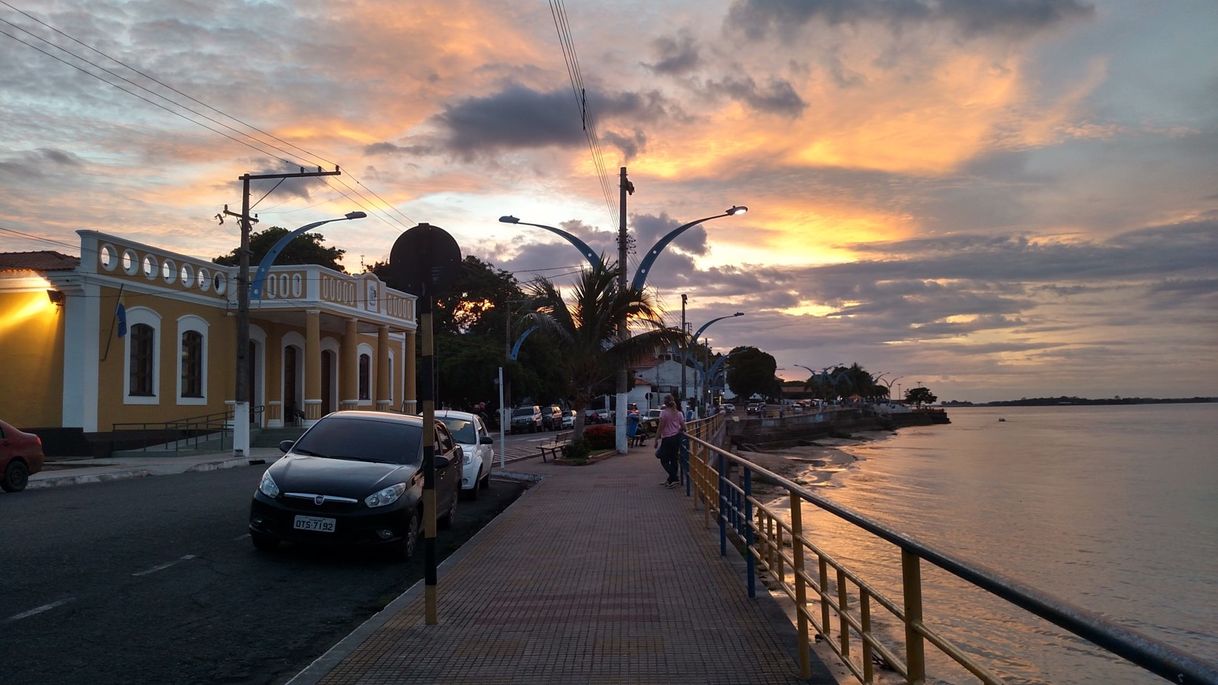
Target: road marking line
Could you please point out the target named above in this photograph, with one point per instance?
(38, 610)
(163, 566)
(242, 536)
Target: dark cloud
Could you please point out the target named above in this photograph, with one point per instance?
(630, 145)
(777, 97)
(1014, 18)
(38, 163)
(520, 118)
(387, 148)
(675, 55)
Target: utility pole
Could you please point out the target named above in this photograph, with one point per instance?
(626, 187)
(241, 395)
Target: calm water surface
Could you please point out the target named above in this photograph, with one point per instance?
(1114, 509)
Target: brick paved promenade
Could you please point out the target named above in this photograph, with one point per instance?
(595, 575)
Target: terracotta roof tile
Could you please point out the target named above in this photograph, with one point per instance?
(42, 260)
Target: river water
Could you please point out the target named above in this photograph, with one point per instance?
(1112, 508)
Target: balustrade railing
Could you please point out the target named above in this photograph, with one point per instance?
(831, 599)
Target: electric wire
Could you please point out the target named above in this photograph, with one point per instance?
(297, 163)
(571, 60)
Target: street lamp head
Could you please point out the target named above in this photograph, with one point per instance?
(356, 215)
(509, 219)
(737, 209)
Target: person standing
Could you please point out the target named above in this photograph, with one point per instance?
(668, 439)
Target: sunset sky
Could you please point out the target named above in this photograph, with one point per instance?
(994, 198)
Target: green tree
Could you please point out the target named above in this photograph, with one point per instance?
(920, 396)
(306, 248)
(751, 372)
(587, 330)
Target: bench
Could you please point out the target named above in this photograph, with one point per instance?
(553, 448)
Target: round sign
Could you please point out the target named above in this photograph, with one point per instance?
(424, 261)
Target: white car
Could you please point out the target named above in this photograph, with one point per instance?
(568, 419)
(469, 431)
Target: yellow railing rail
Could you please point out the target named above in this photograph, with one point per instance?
(839, 604)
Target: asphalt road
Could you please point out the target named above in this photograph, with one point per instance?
(154, 580)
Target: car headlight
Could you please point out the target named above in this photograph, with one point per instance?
(469, 457)
(267, 486)
(383, 498)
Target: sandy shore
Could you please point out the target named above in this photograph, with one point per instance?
(813, 465)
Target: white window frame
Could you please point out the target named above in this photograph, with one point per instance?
(392, 380)
(150, 318)
(191, 322)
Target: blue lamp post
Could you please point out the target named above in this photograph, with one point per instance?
(265, 265)
(703, 327)
(580, 245)
(640, 276)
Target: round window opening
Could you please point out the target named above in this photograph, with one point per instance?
(108, 257)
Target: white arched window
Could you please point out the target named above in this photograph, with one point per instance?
(142, 357)
(192, 360)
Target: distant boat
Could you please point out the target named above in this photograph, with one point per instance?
(1001, 419)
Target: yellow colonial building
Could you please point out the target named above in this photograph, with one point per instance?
(129, 333)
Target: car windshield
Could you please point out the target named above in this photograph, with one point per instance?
(522, 412)
(337, 437)
(462, 430)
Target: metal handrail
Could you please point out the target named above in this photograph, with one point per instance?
(761, 532)
(205, 426)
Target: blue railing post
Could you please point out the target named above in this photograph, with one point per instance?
(684, 452)
(722, 508)
(748, 532)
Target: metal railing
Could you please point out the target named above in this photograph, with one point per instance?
(178, 434)
(828, 595)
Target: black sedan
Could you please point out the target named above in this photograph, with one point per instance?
(355, 478)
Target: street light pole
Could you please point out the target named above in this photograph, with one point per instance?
(684, 351)
(701, 329)
(626, 188)
(241, 394)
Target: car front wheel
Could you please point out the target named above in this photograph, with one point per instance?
(410, 539)
(15, 476)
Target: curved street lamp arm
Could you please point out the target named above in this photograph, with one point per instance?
(260, 277)
(269, 258)
(580, 245)
(708, 323)
(640, 276)
(520, 341)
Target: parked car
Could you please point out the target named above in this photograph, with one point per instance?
(355, 478)
(568, 419)
(471, 434)
(20, 456)
(551, 417)
(526, 419)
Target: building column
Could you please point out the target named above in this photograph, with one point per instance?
(312, 353)
(382, 368)
(349, 383)
(410, 392)
(274, 380)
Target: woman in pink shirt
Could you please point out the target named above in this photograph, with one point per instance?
(668, 439)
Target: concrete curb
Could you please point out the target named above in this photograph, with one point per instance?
(81, 479)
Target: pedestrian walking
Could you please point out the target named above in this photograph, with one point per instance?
(668, 439)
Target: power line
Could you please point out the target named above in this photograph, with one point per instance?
(308, 153)
(571, 59)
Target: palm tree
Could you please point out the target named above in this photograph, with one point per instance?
(587, 329)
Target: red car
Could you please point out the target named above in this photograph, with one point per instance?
(20, 455)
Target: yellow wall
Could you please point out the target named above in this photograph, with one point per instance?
(221, 334)
(31, 360)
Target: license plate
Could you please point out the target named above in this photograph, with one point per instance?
(314, 523)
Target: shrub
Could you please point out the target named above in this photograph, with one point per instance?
(600, 437)
(576, 451)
